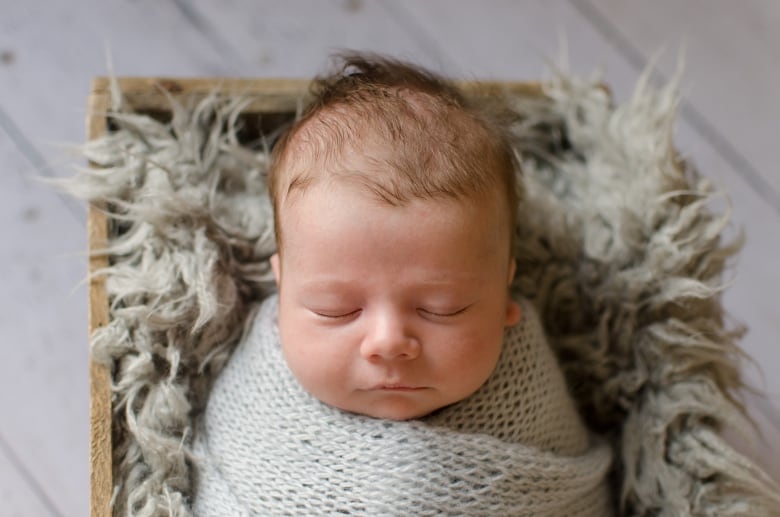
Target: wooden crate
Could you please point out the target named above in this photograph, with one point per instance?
(150, 95)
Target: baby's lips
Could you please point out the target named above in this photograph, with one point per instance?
(397, 387)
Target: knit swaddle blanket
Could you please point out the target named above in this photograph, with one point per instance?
(515, 447)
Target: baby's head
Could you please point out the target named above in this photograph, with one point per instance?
(394, 206)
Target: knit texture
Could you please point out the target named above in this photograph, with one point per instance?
(515, 447)
(619, 247)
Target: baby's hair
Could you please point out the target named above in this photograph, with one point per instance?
(435, 142)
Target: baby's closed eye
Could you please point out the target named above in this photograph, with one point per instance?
(336, 314)
(443, 312)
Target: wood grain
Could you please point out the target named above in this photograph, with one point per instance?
(100, 472)
(265, 95)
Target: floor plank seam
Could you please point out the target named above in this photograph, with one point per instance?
(740, 164)
(769, 410)
(418, 32)
(38, 162)
(28, 477)
(200, 23)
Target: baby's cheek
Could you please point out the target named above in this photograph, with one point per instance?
(482, 351)
(298, 349)
(470, 350)
(315, 358)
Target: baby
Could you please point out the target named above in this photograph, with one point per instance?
(395, 210)
(393, 373)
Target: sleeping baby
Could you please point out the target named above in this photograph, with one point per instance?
(393, 374)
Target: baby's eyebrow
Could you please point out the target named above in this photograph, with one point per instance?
(326, 284)
(436, 282)
(459, 279)
(448, 278)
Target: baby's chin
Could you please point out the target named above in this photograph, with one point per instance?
(398, 408)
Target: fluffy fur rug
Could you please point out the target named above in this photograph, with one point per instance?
(617, 249)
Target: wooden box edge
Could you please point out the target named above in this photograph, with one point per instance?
(100, 446)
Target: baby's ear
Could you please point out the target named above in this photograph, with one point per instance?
(275, 267)
(513, 310)
(513, 313)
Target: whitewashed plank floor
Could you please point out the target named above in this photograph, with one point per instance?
(49, 50)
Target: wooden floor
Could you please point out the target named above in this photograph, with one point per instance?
(49, 50)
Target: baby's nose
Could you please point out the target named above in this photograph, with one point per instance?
(389, 339)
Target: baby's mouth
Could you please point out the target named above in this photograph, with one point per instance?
(398, 387)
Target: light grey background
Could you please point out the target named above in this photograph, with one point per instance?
(50, 49)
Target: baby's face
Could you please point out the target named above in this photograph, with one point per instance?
(391, 312)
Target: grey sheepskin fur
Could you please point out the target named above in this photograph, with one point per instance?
(618, 248)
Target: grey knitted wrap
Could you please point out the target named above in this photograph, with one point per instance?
(515, 447)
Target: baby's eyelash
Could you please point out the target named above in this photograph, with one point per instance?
(336, 316)
(445, 314)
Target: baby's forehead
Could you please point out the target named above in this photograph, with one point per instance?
(430, 237)
(484, 212)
